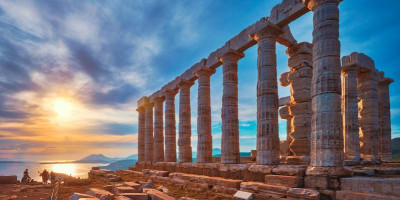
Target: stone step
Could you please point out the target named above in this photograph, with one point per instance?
(267, 191)
(101, 194)
(390, 186)
(215, 181)
(281, 180)
(80, 196)
(157, 195)
(354, 195)
(135, 196)
(123, 189)
(155, 172)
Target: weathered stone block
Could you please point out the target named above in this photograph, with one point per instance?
(290, 170)
(157, 195)
(317, 182)
(243, 195)
(353, 195)
(301, 193)
(284, 80)
(263, 191)
(288, 181)
(136, 196)
(287, 11)
(123, 189)
(284, 101)
(101, 194)
(78, 196)
(359, 59)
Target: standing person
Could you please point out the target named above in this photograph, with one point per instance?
(52, 177)
(45, 176)
(26, 178)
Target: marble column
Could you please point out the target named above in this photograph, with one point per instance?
(385, 139)
(170, 126)
(367, 89)
(148, 140)
(158, 130)
(204, 137)
(141, 133)
(267, 97)
(230, 120)
(326, 120)
(184, 142)
(350, 113)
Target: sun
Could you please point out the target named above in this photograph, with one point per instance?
(62, 107)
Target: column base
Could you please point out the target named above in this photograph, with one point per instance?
(351, 162)
(323, 178)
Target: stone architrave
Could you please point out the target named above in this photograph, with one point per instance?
(385, 131)
(267, 96)
(204, 140)
(141, 133)
(184, 142)
(326, 120)
(230, 119)
(350, 113)
(170, 126)
(148, 140)
(367, 89)
(300, 77)
(158, 129)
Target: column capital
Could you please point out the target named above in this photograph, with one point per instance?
(149, 105)
(140, 109)
(230, 54)
(169, 93)
(204, 71)
(300, 48)
(158, 99)
(266, 29)
(185, 83)
(350, 68)
(312, 4)
(385, 81)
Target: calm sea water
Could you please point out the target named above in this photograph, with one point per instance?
(73, 169)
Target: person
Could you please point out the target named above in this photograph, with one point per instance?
(26, 178)
(45, 176)
(52, 177)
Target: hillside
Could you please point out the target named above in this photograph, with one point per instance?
(119, 165)
(97, 158)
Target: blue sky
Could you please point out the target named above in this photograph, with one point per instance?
(72, 71)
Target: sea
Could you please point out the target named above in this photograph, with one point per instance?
(73, 169)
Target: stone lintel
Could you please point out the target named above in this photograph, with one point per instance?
(142, 101)
(149, 105)
(300, 48)
(156, 96)
(284, 101)
(287, 11)
(173, 85)
(360, 60)
(286, 38)
(167, 92)
(182, 82)
(212, 61)
(189, 74)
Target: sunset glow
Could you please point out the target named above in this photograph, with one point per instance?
(63, 108)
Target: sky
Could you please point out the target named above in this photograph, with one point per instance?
(71, 72)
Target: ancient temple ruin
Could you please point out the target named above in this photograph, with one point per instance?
(338, 113)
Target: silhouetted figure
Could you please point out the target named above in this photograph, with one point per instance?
(52, 177)
(45, 176)
(26, 178)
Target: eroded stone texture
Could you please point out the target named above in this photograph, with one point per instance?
(326, 121)
(267, 96)
(385, 130)
(367, 88)
(184, 142)
(350, 113)
(141, 133)
(204, 141)
(148, 140)
(170, 127)
(229, 112)
(158, 130)
(284, 113)
(300, 77)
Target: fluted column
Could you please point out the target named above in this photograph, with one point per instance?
(326, 120)
(367, 86)
(184, 142)
(141, 133)
(385, 139)
(350, 113)
(158, 130)
(267, 98)
(204, 137)
(229, 113)
(170, 126)
(148, 140)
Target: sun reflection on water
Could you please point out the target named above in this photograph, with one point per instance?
(68, 168)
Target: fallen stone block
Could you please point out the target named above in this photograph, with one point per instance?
(108, 188)
(131, 184)
(78, 196)
(94, 198)
(136, 196)
(123, 189)
(288, 181)
(243, 195)
(186, 198)
(123, 198)
(264, 191)
(372, 184)
(8, 179)
(143, 185)
(353, 195)
(157, 195)
(301, 193)
(101, 194)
